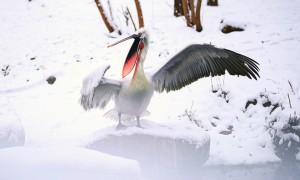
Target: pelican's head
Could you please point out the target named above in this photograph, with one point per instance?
(137, 52)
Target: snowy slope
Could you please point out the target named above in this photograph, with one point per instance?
(67, 39)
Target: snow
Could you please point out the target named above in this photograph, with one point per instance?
(173, 131)
(68, 40)
(11, 130)
(64, 163)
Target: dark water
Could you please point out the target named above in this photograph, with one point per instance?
(270, 171)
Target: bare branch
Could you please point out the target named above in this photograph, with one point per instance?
(178, 10)
(140, 13)
(103, 15)
(186, 13)
(198, 21)
(192, 7)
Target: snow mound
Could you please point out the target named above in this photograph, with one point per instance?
(64, 163)
(11, 131)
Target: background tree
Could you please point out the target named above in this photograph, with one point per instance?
(178, 9)
(186, 13)
(108, 19)
(192, 8)
(192, 16)
(197, 18)
(139, 12)
(107, 22)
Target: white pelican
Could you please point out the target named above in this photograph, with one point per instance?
(133, 96)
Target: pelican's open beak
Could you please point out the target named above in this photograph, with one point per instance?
(132, 56)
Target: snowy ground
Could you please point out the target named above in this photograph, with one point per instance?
(67, 39)
(64, 163)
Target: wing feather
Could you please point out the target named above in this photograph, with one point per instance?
(198, 61)
(97, 91)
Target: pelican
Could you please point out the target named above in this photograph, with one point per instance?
(132, 96)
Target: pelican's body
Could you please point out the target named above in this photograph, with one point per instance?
(133, 96)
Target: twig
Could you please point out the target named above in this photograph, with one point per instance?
(125, 14)
(212, 86)
(110, 10)
(289, 100)
(272, 81)
(291, 87)
(110, 36)
(192, 106)
(131, 18)
(219, 83)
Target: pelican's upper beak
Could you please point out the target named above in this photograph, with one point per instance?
(125, 39)
(133, 54)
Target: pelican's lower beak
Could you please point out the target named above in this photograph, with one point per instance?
(132, 56)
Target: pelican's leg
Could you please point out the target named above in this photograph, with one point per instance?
(120, 125)
(138, 124)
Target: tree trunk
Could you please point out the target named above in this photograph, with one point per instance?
(107, 23)
(198, 20)
(193, 12)
(178, 10)
(186, 13)
(212, 2)
(140, 13)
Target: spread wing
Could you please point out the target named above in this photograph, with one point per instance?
(197, 61)
(97, 91)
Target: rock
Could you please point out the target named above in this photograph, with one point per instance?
(212, 3)
(228, 29)
(155, 147)
(51, 80)
(253, 101)
(231, 26)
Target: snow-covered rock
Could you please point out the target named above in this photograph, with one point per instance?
(64, 163)
(155, 146)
